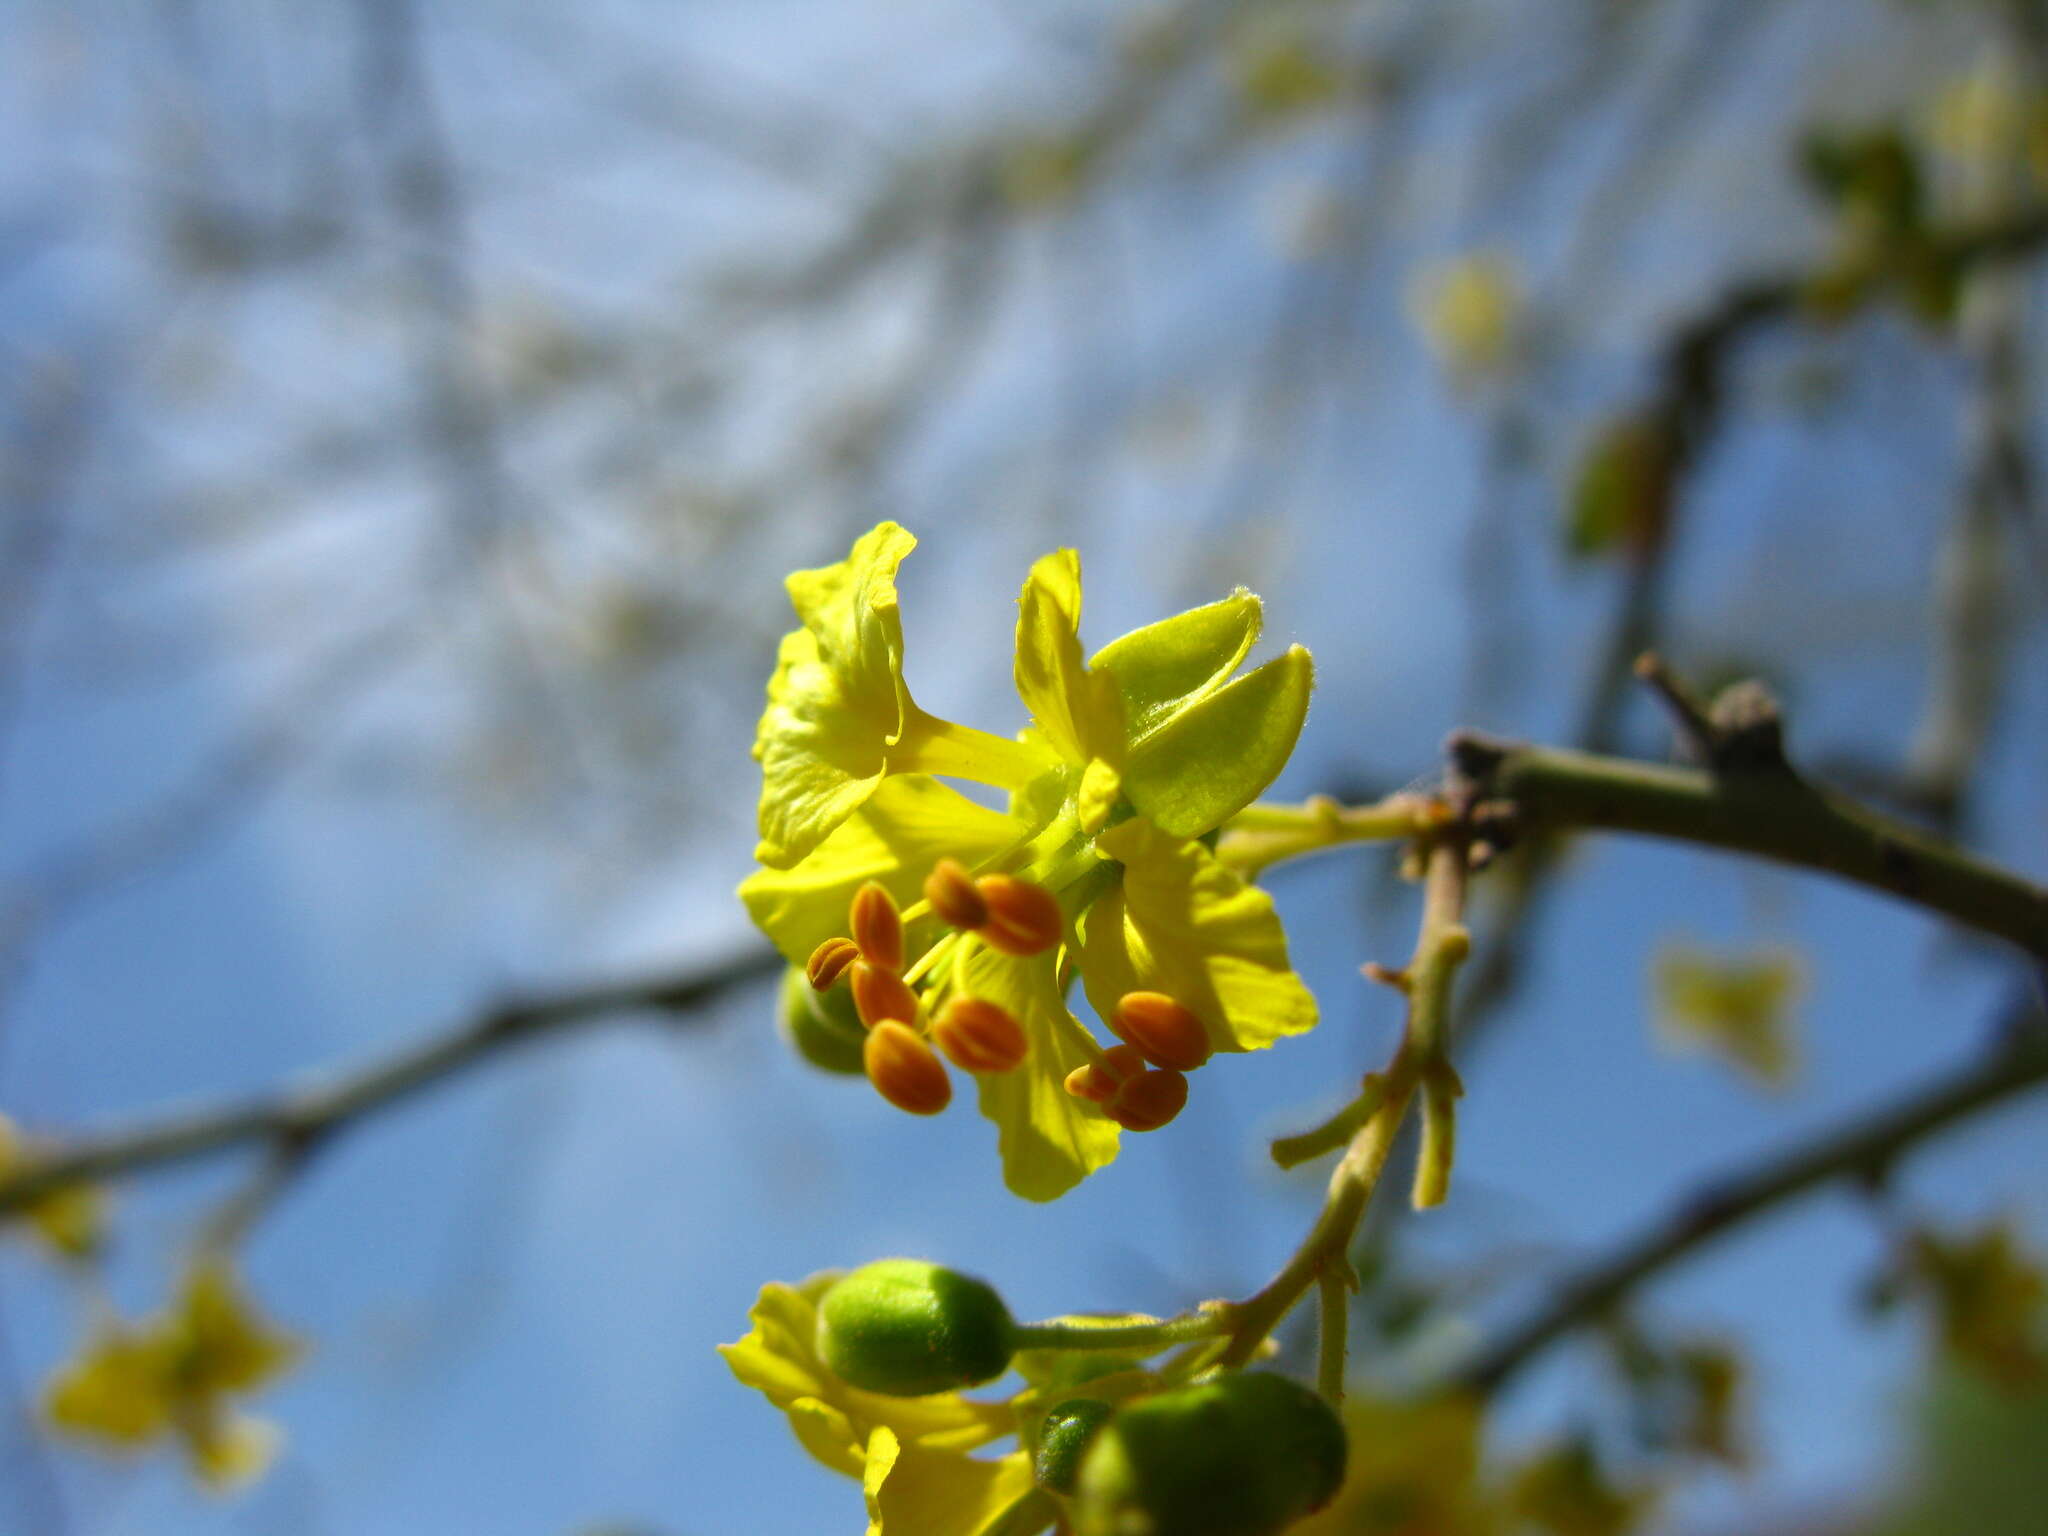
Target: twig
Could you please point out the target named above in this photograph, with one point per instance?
(1865, 1145)
(293, 1121)
(1775, 815)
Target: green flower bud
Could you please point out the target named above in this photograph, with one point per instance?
(906, 1328)
(1063, 1438)
(821, 1025)
(1245, 1455)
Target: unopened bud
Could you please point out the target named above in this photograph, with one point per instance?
(829, 961)
(979, 1036)
(877, 927)
(879, 995)
(1099, 1080)
(1023, 918)
(904, 1070)
(1167, 1034)
(1148, 1101)
(951, 891)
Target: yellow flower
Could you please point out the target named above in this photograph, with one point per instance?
(1469, 311)
(174, 1375)
(1132, 756)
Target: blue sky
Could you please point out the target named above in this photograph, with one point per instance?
(513, 1288)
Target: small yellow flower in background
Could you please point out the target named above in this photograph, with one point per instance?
(1739, 1007)
(1469, 311)
(966, 926)
(1981, 120)
(173, 1375)
(1414, 1470)
(70, 1220)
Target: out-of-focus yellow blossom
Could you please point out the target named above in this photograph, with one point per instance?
(1469, 311)
(1739, 1007)
(174, 1375)
(71, 1220)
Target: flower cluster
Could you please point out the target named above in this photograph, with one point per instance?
(958, 930)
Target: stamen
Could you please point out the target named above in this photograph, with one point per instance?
(980, 1036)
(1148, 1101)
(879, 995)
(1168, 1034)
(904, 1070)
(877, 927)
(1023, 918)
(951, 891)
(1099, 1081)
(829, 961)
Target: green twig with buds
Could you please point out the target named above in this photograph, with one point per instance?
(1440, 947)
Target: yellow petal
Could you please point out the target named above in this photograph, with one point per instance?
(1049, 1140)
(907, 826)
(1183, 923)
(1163, 667)
(225, 1345)
(837, 701)
(915, 1492)
(1078, 711)
(118, 1390)
(1213, 756)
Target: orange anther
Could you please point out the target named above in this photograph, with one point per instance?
(879, 995)
(1099, 1080)
(829, 961)
(1023, 918)
(1166, 1033)
(877, 927)
(979, 1035)
(904, 1070)
(1149, 1100)
(951, 891)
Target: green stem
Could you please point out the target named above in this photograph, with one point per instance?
(1263, 835)
(1292, 1151)
(1440, 945)
(1333, 1292)
(1081, 1333)
(928, 744)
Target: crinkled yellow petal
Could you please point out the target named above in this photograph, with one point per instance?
(851, 610)
(224, 1345)
(1183, 923)
(1077, 710)
(1049, 1140)
(907, 826)
(915, 1492)
(779, 1359)
(1166, 666)
(118, 1390)
(837, 701)
(821, 755)
(1212, 757)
